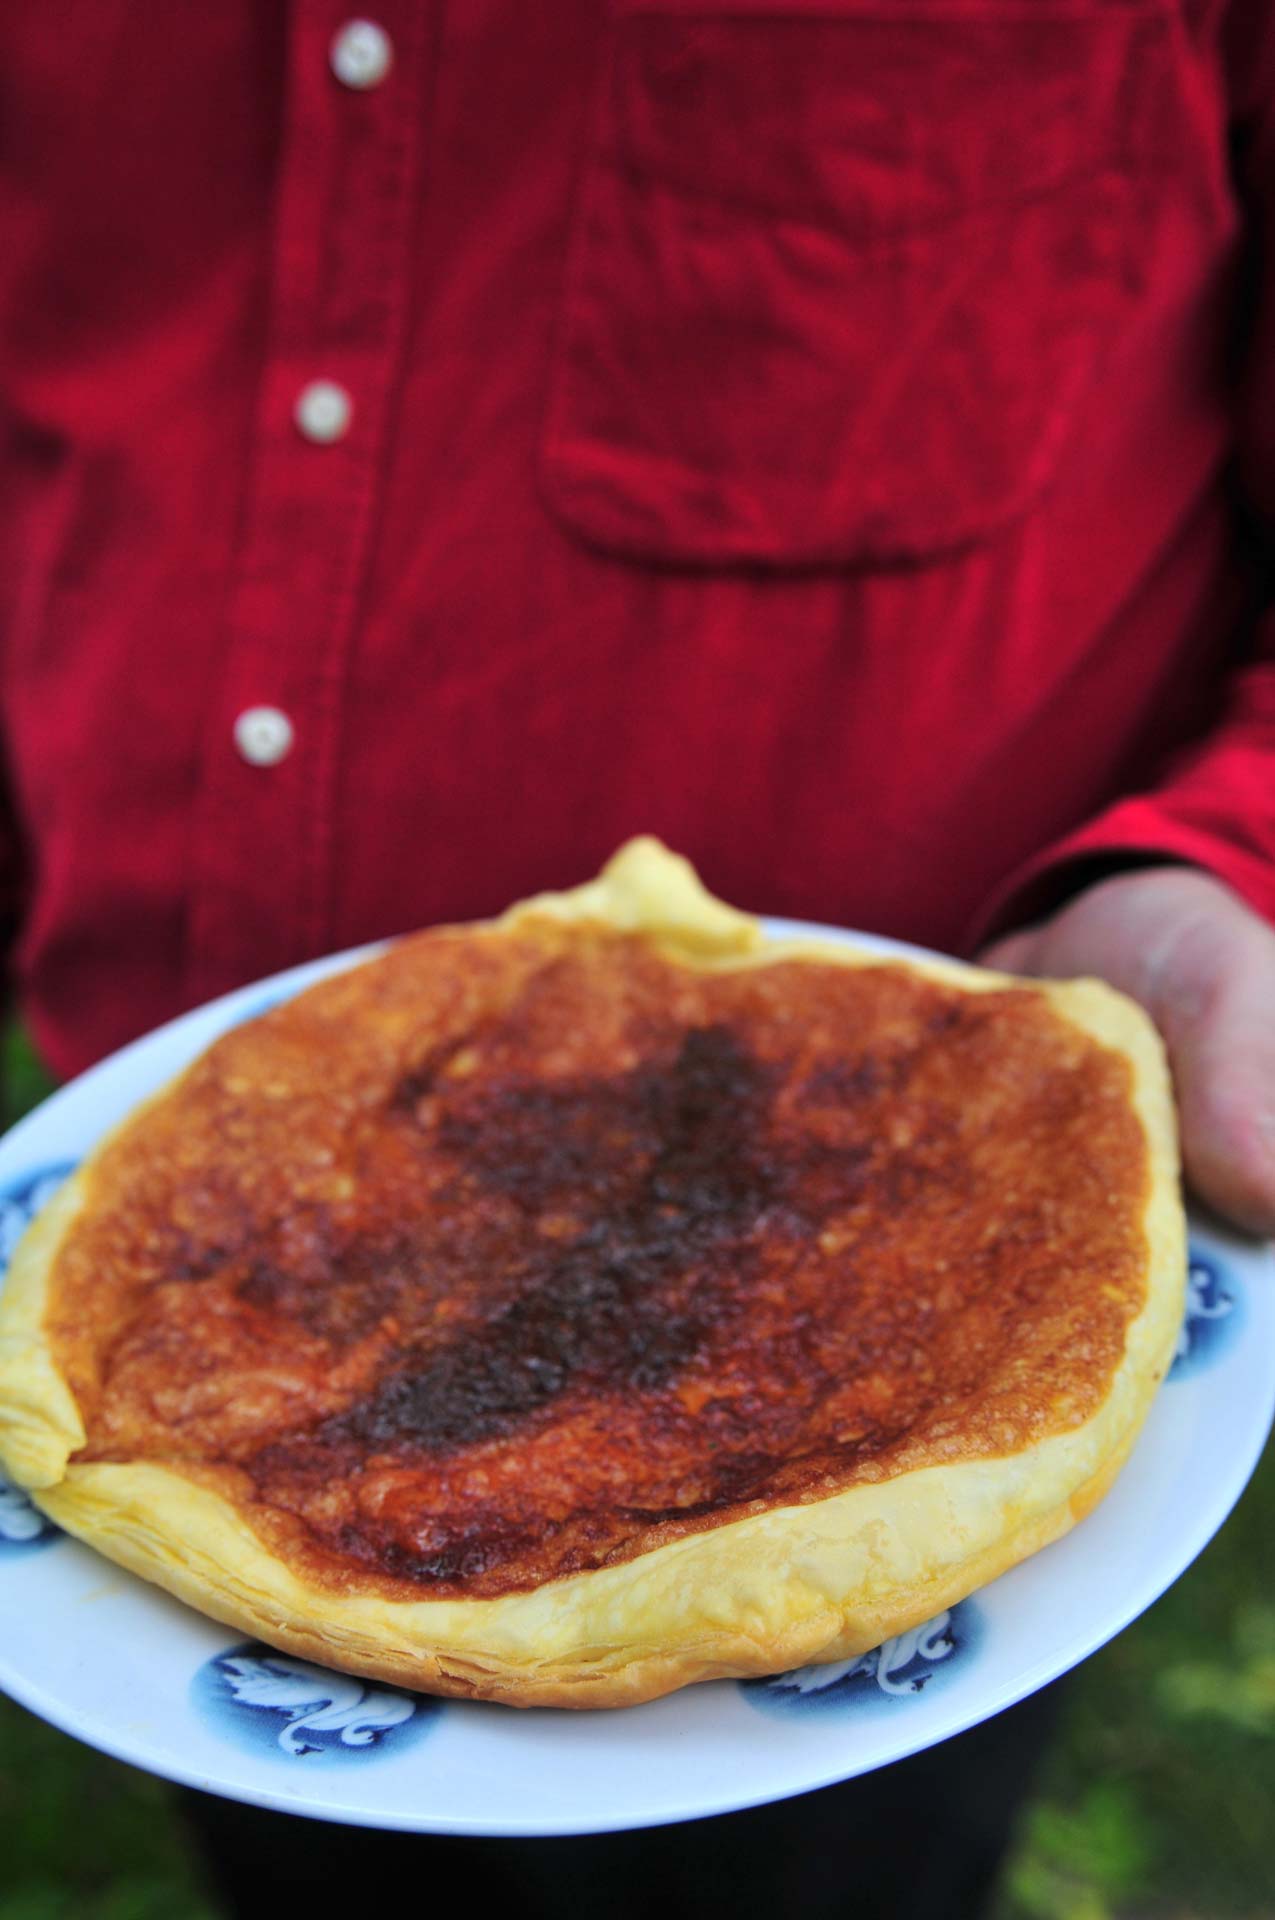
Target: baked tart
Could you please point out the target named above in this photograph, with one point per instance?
(565, 1308)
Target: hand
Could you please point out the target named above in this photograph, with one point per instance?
(1203, 966)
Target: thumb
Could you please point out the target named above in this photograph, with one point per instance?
(1215, 1006)
(1203, 966)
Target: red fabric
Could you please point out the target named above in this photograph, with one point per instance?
(838, 439)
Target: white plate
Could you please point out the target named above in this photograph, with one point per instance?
(126, 1668)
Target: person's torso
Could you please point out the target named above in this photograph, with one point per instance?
(792, 430)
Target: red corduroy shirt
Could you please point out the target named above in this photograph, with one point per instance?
(837, 438)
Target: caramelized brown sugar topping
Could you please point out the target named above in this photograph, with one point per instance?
(515, 1253)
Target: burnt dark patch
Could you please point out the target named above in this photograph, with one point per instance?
(341, 1289)
(599, 1318)
(624, 1303)
(682, 1122)
(270, 1290)
(421, 1079)
(957, 1014)
(461, 1549)
(538, 1144)
(195, 1260)
(847, 1083)
(829, 1174)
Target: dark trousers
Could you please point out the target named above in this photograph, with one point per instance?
(921, 1840)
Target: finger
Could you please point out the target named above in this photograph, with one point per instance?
(1222, 1051)
(1205, 971)
(1203, 966)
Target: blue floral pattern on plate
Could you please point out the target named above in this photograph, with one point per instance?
(898, 1670)
(21, 1199)
(274, 1703)
(1214, 1314)
(23, 1528)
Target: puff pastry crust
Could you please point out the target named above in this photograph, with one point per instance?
(561, 1310)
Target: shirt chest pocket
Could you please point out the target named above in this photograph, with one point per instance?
(841, 274)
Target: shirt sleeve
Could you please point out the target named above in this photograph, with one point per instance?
(1214, 804)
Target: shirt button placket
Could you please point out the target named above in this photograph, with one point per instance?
(263, 884)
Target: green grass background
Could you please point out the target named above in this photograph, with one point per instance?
(1156, 1803)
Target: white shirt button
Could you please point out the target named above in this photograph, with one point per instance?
(361, 54)
(263, 736)
(323, 412)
